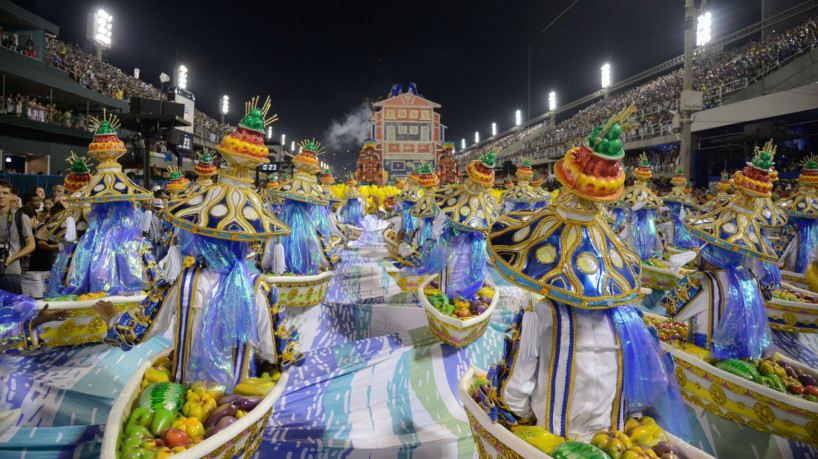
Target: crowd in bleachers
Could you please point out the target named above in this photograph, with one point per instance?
(657, 100)
(32, 108)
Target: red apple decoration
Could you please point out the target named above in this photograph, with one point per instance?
(175, 437)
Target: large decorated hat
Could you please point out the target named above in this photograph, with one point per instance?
(567, 251)
(56, 227)
(523, 193)
(536, 180)
(724, 186)
(205, 169)
(804, 204)
(326, 178)
(737, 225)
(78, 175)
(109, 184)
(508, 183)
(177, 183)
(594, 170)
(231, 209)
(413, 192)
(351, 181)
(470, 206)
(447, 146)
(524, 172)
(427, 177)
(643, 172)
(426, 207)
(245, 146)
(679, 179)
(304, 185)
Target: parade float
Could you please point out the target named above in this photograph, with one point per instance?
(303, 279)
(718, 332)
(204, 397)
(521, 197)
(585, 340)
(102, 255)
(459, 306)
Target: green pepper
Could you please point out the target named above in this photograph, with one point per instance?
(162, 419)
(776, 383)
(141, 416)
(139, 453)
(129, 443)
(811, 398)
(137, 430)
(578, 450)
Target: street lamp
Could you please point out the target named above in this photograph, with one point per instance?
(181, 77)
(102, 25)
(462, 144)
(476, 137)
(606, 76)
(703, 29)
(518, 118)
(552, 101)
(493, 129)
(225, 105)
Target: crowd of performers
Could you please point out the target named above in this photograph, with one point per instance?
(578, 361)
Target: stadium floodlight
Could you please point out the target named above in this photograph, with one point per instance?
(493, 129)
(518, 118)
(103, 25)
(476, 136)
(552, 101)
(462, 144)
(703, 29)
(292, 146)
(283, 138)
(181, 77)
(225, 104)
(269, 132)
(606, 75)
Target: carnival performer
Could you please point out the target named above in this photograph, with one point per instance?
(108, 256)
(680, 204)
(272, 202)
(425, 210)
(522, 197)
(724, 190)
(582, 359)
(457, 249)
(350, 211)
(640, 227)
(177, 183)
(221, 316)
(403, 222)
(205, 169)
(723, 300)
(328, 226)
(801, 236)
(302, 195)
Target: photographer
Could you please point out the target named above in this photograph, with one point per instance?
(15, 229)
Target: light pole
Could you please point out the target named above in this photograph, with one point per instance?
(102, 25)
(606, 78)
(281, 150)
(493, 129)
(463, 144)
(476, 136)
(703, 28)
(225, 106)
(685, 150)
(552, 101)
(518, 118)
(181, 77)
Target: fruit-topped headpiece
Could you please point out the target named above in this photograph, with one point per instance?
(307, 158)
(400, 184)
(109, 184)
(285, 178)
(272, 184)
(809, 171)
(177, 182)
(508, 183)
(689, 187)
(754, 179)
(78, 175)
(351, 179)
(205, 167)
(413, 177)
(244, 149)
(231, 209)
(804, 204)
(643, 172)
(524, 172)
(326, 177)
(482, 170)
(678, 179)
(536, 180)
(724, 186)
(594, 170)
(426, 176)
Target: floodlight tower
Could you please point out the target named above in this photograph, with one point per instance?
(100, 30)
(493, 129)
(225, 106)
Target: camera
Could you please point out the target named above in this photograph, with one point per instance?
(4, 254)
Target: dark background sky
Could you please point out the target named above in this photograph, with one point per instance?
(319, 60)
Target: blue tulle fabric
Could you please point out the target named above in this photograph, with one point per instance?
(807, 242)
(425, 231)
(408, 223)
(620, 216)
(108, 256)
(467, 264)
(228, 315)
(55, 281)
(352, 213)
(681, 236)
(434, 255)
(302, 250)
(743, 331)
(768, 274)
(15, 310)
(649, 384)
(321, 216)
(643, 232)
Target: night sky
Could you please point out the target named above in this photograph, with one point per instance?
(320, 60)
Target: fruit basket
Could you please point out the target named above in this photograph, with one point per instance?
(656, 274)
(82, 324)
(353, 232)
(793, 309)
(301, 291)
(492, 440)
(750, 393)
(389, 238)
(796, 279)
(407, 283)
(455, 331)
(230, 437)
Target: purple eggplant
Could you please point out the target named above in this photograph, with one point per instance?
(233, 398)
(228, 409)
(788, 368)
(221, 425)
(248, 403)
(807, 380)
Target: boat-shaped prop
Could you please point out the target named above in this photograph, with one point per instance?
(660, 278)
(82, 324)
(492, 440)
(301, 291)
(240, 439)
(793, 309)
(454, 331)
(796, 279)
(408, 284)
(390, 239)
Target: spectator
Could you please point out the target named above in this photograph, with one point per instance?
(16, 241)
(48, 204)
(58, 190)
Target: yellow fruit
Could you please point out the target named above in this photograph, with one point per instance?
(153, 375)
(538, 437)
(259, 388)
